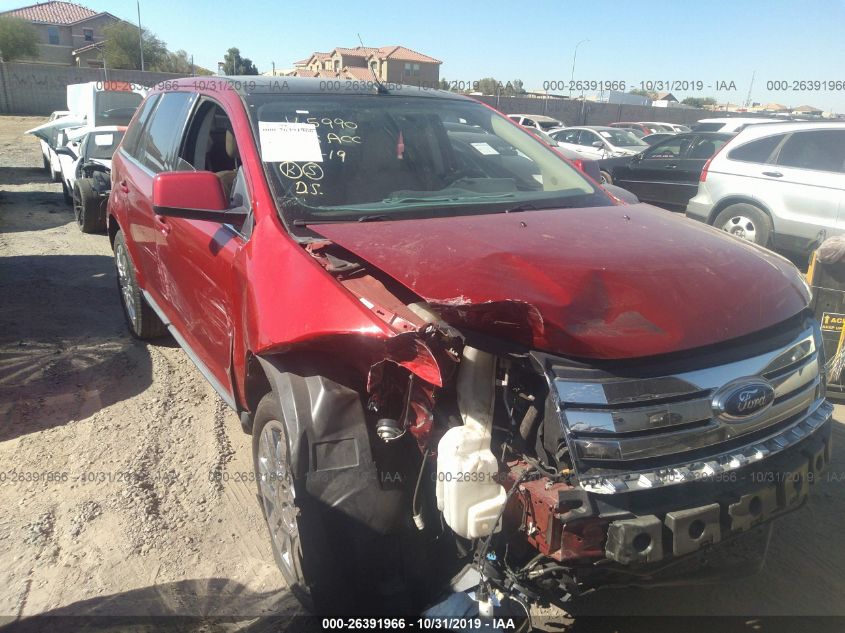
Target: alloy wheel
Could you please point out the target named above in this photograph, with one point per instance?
(278, 497)
(742, 227)
(127, 288)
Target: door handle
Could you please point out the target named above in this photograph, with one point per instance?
(773, 174)
(671, 167)
(124, 187)
(162, 223)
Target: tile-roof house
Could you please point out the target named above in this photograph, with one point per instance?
(666, 96)
(807, 109)
(67, 32)
(396, 64)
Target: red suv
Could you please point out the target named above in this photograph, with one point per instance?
(451, 348)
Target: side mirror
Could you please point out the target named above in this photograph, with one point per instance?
(66, 151)
(193, 195)
(598, 144)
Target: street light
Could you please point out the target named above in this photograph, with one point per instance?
(574, 56)
(141, 37)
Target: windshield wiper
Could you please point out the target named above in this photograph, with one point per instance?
(525, 206)
(372, 218)
(305, 222)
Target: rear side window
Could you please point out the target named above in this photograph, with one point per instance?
(704, 147)
(758, 151)
(164, 131)
(673, 147)
(822, 150)
(130, 141)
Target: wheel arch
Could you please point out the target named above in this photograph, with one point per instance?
(113, 226)
(323, 356)
(330, 445)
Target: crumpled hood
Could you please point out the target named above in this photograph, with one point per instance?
(604, 282)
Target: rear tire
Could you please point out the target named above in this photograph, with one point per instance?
(142, 320)
(87, 207)
(746, 222)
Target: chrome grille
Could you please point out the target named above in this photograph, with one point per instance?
(613, 424)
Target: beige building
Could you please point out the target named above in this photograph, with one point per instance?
(68, 33)
(394, 64)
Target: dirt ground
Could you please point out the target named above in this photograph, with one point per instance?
(125, 482)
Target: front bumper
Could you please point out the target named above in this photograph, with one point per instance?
(714, 526)
(648, 529)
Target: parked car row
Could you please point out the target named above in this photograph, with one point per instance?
(588, 166)
(77, 145)
(651, 127)
(773, 182)
(599, 142)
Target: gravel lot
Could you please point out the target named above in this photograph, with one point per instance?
(126, 483)
(158, 513)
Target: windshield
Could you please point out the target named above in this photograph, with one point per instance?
(101, 145)
(374, 157)
(621, 138)
(115, 107)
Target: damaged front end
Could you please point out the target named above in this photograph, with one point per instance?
(553, 476)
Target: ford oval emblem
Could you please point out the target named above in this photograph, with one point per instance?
(743, 399)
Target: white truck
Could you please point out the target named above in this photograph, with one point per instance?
(77, 144)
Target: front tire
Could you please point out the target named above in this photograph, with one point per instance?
(746, 222)
(606, 178)
(277, 492)
(141, 319)
(340, 539)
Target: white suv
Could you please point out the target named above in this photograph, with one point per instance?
(781, 184)
(537, 121)
(730, 124)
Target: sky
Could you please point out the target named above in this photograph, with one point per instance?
(533, 40)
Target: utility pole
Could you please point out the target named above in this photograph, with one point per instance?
(574, 56)
(750, 88)
(140, 33)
